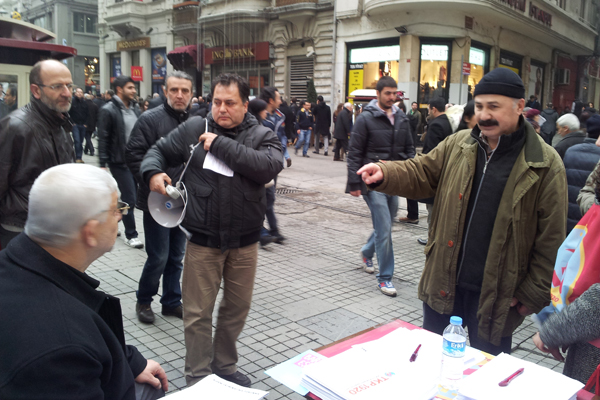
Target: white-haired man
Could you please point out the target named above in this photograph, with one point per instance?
(568, 127)
(71, 343)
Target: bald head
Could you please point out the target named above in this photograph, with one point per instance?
(51, 82)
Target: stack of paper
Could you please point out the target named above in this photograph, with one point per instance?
(290, 372)
(213, 387)
(380, 369)
(536, 382)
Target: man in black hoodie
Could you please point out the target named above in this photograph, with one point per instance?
(164, 246)
(79, 115)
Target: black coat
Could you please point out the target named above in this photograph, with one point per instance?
(549, 127)
(111, 133)
(305, 119)
(580, 160)
(222, 212)
(374, 139)
(571, 139)
(61, 338)
(32, 139)
(322, 114)
(438, 129)
(149, 128)
(290, 121)
(155, 102)
(92, 116)
(79, 111)
(343, 124)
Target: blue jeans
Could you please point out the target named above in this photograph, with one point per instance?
(383, 212)
(284, 142)
(128, 189)
(270, 213)
(165, 248)
(304, 137)
(78, 136)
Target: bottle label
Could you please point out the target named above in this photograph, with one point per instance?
(454, 349)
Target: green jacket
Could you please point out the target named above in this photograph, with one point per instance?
(529, 227)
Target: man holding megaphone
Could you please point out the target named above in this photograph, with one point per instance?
(226, 205)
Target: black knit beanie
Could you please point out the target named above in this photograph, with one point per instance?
(501, 81)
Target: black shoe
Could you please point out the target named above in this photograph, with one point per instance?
(305, 155)
(277, 238)
(144, 313)
(265, 240)
(325, 154)
(315, 152)
(175, 312)
(238, 378)
(422, 241)
(289, 162)
(85, 152)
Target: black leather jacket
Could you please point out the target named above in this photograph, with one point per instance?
(152, 125)
(222, 212)
(111, 133)
(374, 139)
(32, 139)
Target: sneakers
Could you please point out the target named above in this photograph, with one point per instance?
(277, 238)
(387, 288)
(407, 220)
(175, 312)
(289, 162)
(135, 243)
(368, 267)
(144, 313)
(422, 241)
(238, 378)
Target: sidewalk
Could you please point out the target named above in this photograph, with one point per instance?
(309, 292)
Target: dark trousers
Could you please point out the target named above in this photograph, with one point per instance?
(78, 135)
(270, 214)
(127, 187)
(165, 248)
(340, 144)
(89, 146)
(413, 209)
(6, 236)
(466, 304)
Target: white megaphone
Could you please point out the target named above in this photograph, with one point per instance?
(167, 211)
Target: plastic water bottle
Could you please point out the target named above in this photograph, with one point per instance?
(453, 354)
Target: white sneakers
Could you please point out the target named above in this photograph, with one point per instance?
(135, 243)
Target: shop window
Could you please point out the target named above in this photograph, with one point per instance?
(434, 72)
(478, 58)
(536, 80)
(84, 23)
(369, 64)
(92, 73)
(510, 61)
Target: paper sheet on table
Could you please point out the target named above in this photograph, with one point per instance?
(290, 372)
(214, 164)
(381, 368)
(536, 382)
(213, 387)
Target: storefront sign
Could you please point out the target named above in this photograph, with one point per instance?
(511, 62)
(355, 78)
(375, 54)
(137, 74)
(477, 56)
(519, 5)
(159, 64)
(139, 43)
(466, 68)
(252, 51)
(434, 52)
(539, 14)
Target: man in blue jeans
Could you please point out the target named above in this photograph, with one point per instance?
(165, 246)
(382, 133)
(79, 115)
(305, 122)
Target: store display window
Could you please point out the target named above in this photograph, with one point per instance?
(369, 64)
(536, 79)
(511, 61)
(479, 60)
(434, 73)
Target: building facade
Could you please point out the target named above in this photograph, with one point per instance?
(443, 48)
(75, 24)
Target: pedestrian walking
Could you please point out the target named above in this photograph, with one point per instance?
(341, 133)
(90, 127)
(322, 114)
(79, 115)
(304, 124)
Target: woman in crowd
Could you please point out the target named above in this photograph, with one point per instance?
(258, 108)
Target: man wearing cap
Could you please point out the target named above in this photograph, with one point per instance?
(498, 218)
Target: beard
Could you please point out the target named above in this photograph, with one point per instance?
(178, 108)
(53, 105)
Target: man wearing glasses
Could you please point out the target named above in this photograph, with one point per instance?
(33, 139)
(72, 344)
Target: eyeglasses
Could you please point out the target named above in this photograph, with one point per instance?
(122, 208)
(58, 87)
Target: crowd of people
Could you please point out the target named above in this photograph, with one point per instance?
(503, 186)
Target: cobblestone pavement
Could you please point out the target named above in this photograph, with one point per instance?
(309, 291)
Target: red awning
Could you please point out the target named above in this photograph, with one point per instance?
(55, 51)
(184, 57)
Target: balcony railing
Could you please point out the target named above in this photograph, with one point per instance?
(185, 13)
(281, 3)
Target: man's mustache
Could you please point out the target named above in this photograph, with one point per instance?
(488, 122)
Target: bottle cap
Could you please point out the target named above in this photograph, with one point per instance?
(456, 320)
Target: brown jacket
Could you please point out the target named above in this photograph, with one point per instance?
(529, 227)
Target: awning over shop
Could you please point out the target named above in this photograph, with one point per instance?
(184, 57)
(34, 50)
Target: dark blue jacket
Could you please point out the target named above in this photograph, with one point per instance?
(305, 119)
(580, 160)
